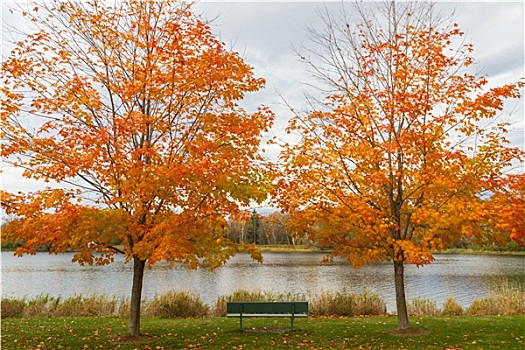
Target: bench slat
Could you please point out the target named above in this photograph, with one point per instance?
(265, 307)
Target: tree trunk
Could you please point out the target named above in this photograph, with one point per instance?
(136, 296)
(401, 304)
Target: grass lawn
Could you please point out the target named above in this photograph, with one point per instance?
(484, 332)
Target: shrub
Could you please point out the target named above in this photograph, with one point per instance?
(422, 307)
(39, 306)
(482, 307)
(12, 307)
(124, 308)
(176, 304)
(47, 306)
(505, 300)
(344, 304)
(329, 304)
(7, 245)
(79, 306)
(451, 307)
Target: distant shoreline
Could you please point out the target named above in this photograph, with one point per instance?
(480, 252)
(313, 249)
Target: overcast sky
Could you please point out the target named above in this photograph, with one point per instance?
(265, 33)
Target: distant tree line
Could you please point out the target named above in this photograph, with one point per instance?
(249, 227)
(276, 229)
(271, 229)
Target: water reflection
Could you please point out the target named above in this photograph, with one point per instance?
(463, 276)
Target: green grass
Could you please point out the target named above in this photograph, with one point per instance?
(503, 250)
(283, 248)
(461, 332)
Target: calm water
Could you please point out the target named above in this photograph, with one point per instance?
(463, 276)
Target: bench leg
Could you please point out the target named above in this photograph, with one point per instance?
(291, 323)
(240, 317)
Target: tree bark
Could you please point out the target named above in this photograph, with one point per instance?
(136, 296)
(401, 304)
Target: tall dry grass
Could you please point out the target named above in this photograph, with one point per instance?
(422, 307)
(451, 307)
(12, 307)
(504, 300)
(346, 304)
(48, 306)
(176, 304)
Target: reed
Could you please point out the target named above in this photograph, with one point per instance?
(451, 307)
(124, 308)
(422, 307)
(503, 300)
(12, 307)
(48, 306)
(347, 304)
(40, 306)
(80, 306)
(176, 304)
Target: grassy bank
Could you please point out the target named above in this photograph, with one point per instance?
(292, 248)
(469, 251)
(481, 251)
(486, 332)
(179, 320)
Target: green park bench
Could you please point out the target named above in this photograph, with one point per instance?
(292, 309)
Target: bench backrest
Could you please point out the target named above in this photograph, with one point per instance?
(277, 307)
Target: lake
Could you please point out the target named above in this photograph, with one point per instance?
(464, 277)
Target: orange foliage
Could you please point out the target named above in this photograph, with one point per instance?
(506, 208)
(134, 106)
(388, 167)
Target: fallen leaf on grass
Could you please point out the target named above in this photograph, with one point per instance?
(304, 343)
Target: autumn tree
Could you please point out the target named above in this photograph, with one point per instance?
(240, 225)
(508, 201)
(397, 160)
(131, 108)
(274, 228)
